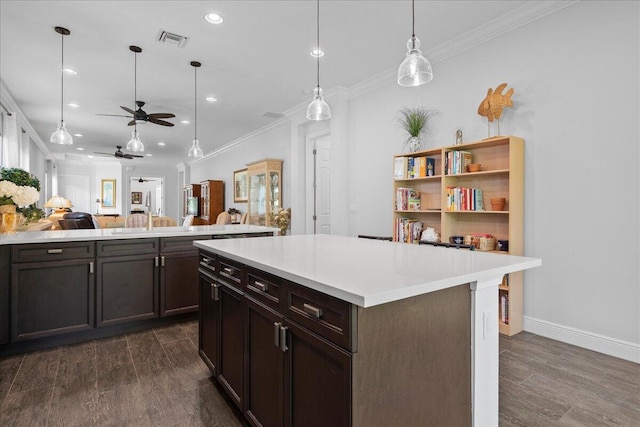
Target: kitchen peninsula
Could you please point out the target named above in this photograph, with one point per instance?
(340, 331)
(66, 286)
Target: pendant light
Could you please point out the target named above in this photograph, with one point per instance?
(318, 109)
(195, 151)
(415, 70)
(61, 136)
(134, 143)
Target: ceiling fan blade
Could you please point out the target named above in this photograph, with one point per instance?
(128, 110)
(131, 123)
(160, 122)
(104, 154)
(130, 156)
(161, 116)
(112, 115)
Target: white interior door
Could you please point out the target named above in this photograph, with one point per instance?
(76, 189)
(318, 185)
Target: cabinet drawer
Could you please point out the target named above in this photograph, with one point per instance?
(230, 272)
(127, 247)
(52, 251)
(208, 262)
(180, 244)
(265, 288)
(327, 316)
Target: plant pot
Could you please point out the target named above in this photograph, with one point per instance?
(497, 203)
(415, 144)
(8, 219)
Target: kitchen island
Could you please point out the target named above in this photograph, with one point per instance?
(66, 286)
(330, 330)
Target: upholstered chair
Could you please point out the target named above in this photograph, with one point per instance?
(136, 220)
(188, 221)
(223, 218)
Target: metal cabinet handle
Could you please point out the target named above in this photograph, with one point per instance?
(156, 261)
(215, 292)
(206, 260)
(54, 251)
(283, 338)
(262, 286)
(228, 270)
(315, 312)
(276, 334)
(90, 267)
(162, 261)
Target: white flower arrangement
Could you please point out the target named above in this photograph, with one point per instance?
(21, 196)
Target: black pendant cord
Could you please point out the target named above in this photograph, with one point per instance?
(413, 18)
(318, 42)
(62, 81)
(195, 103)
(135, 89)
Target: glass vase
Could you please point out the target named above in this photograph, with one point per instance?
(8, 219)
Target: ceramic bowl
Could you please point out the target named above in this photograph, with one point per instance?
(473, 167)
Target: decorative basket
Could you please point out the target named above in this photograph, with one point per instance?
(482, 242)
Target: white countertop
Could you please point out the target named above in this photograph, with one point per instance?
(128, 233)
(366, 272)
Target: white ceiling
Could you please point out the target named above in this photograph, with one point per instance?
(256, 62)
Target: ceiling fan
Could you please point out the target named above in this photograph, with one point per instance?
(119, 154)
(140, 115)
(146, 180)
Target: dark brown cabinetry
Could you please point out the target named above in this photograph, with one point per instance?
(5, 262)
(51, 289)
(231, 349)
(211, 201)
(127, 277)
(209, 314)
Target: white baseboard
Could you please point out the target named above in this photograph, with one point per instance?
(600, 343)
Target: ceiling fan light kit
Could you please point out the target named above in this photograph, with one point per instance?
(134, 143)
(415, 70)
(61, 136)
(195, 151)
(318, 109)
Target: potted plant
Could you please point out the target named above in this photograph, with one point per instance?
(19, 191)
(414, 122)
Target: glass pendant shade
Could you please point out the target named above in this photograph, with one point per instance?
(61, 136)
(318, 109)
(134, 143)
(415, 70)
(195, 151)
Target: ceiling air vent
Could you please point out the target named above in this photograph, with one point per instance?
(172, 39)
(272, 115)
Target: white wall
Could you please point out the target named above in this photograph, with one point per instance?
(575, 75)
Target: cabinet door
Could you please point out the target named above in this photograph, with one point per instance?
(264, 402)
(179, 283)
(231, 343)
(317, 381)
(209, 321)
(51, 298)
(4, 293)
(127, 289)
(257, 199)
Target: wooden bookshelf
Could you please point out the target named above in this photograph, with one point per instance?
(501, 175)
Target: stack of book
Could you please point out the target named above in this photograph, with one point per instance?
(407, 199)
(407, 230)
(464, 199)
(504, 309)
(456, 162)
(414, 167)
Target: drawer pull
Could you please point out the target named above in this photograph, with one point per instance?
(228, 270)
(54, 251)
(206, 260)
(90, 267)
(262, 286)
(162, 261)
(283, 338)
(156, 261)
(215, 293)
(315, 312)
(276, 334)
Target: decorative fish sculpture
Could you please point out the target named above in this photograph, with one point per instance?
(492, 105)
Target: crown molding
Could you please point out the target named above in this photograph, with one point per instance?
(497, 27)
(8, 102)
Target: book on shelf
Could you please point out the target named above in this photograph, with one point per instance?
(504, 309)
(431, 166)
(407, 230)
(407, 199)
(456, 161)
(422, 167)
(400, 167)
(464, 199)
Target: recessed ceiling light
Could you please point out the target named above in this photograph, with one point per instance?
(149, 154)
(73, 105)
(79, 135)
(211, 98)
(69, 70)
(80, 149)
(162, 144)
(90, 156)
(317, 53)
(185, 122)
(213, 18)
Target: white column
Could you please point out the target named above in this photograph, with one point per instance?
(484, 352)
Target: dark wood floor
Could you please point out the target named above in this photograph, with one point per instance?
(156, 378)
